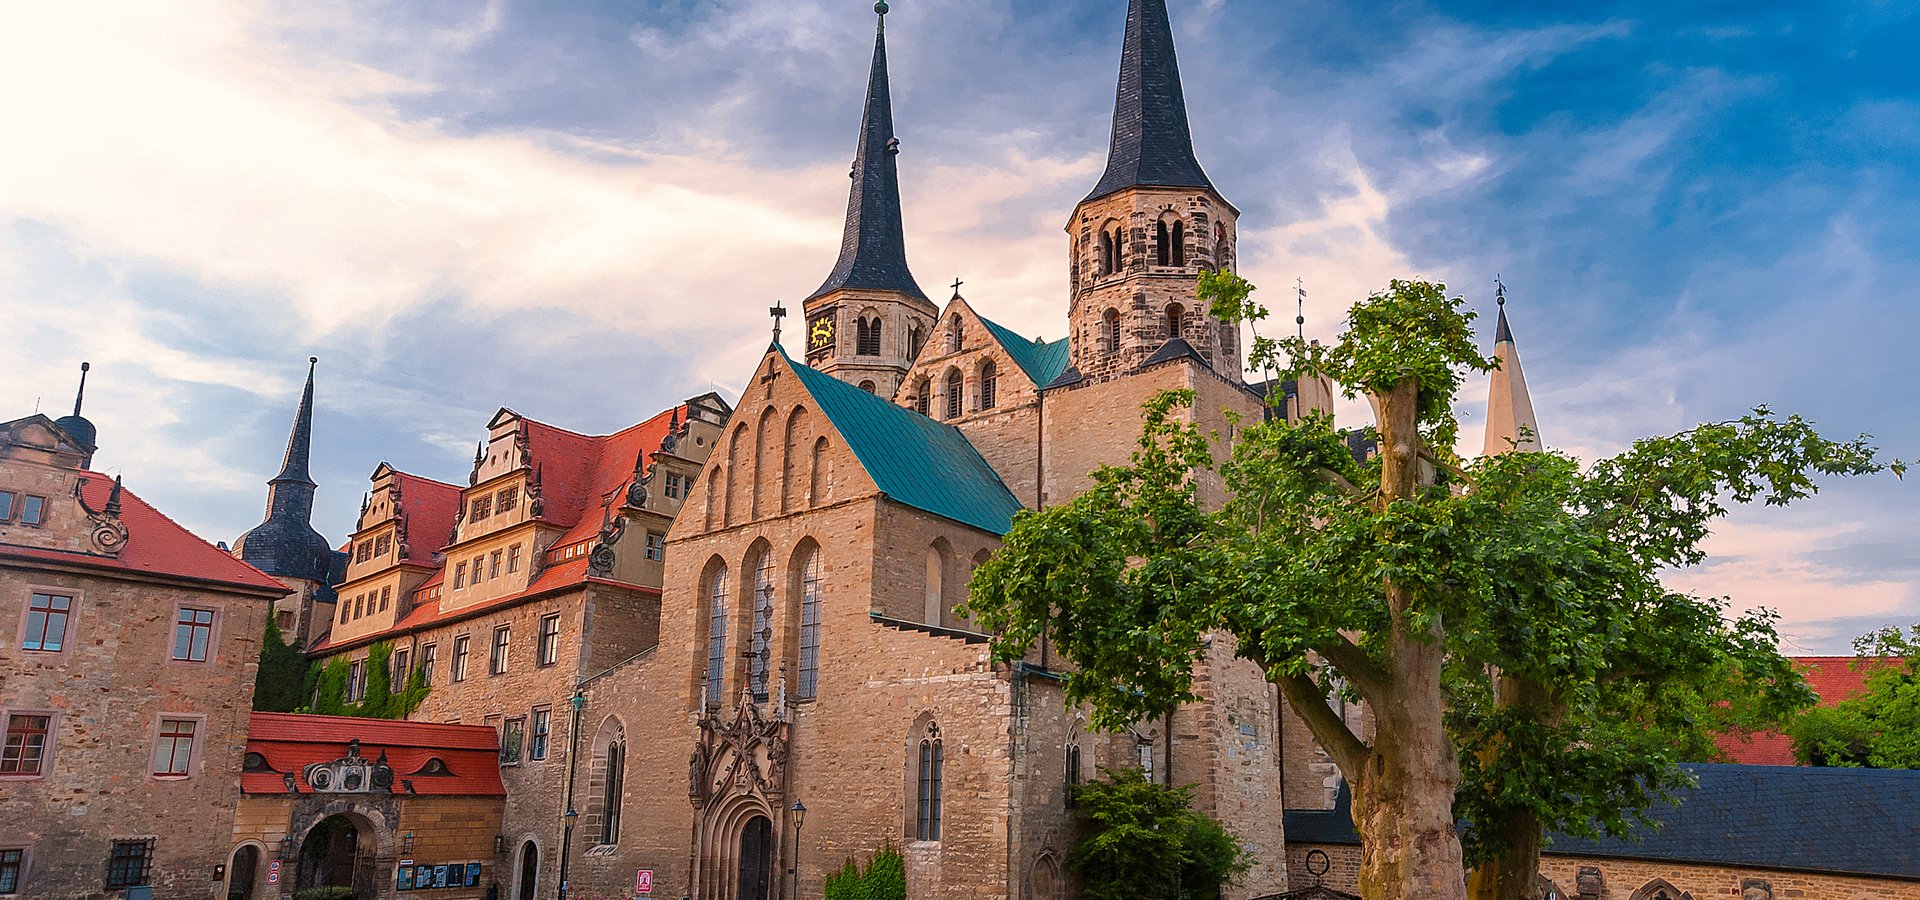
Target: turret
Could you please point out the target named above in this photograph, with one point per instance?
(285, 544)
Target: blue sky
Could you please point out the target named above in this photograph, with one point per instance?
(583, 210)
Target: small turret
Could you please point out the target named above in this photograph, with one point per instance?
(285, 544)
(76, 426)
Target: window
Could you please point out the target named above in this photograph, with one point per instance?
(346, 611)
(1144, 753)
(869, 387)
(656, 546)
(382, 545)
(128, 862)
(11, 862)
(173, 751)
(989, 376)
(6, 505)
(386, 598)
(956, 335)
(363, 552)
(1176, 320)
(359, 605)
(1106, 252)
(461, 650)
(717, 637)
(512, 736)
(507, 500)
(542, 734)
(614, 791)
(1110, 331)
(1162, 245)
(493, 564)
(759, 661)
(481, 507)
(923, 397)
(397, 669)
(931, 762)
(25, 752)
(1073, 772)
(513, 559)
(356, 681)
(33, 511)
(810, 590)
(459, 576)
(497, 661)
(427, 655)
(478, 572)
(549, 640)
(676, 487)
(1179, 242)
(867, 334)
(916, 338)
(956, 394)
(47, 616)
(192, 632)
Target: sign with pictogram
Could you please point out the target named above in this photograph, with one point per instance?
(643, 882)
(273, 872)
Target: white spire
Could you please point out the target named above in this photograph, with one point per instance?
(1509, 407)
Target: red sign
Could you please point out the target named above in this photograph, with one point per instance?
(643, 882)
(273, 872)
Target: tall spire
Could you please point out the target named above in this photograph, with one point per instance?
(873, 249)
(1510, 421)
(1152, 141)
(300, 442)
(76, 426)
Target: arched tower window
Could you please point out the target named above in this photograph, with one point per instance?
(916, 338)
(930, 787)
(923, 396)
(956, 335)
(1110, 331)
(760, 643)
(614, 791)
(869, 386)
(867, 336)
(717, 635)
(811, 596)
(989, 378)
(1162, 244)
(1106, 252)
(956, 393)
(1179, 241)
(820, 474)
(1176, 320)
(1221, 245)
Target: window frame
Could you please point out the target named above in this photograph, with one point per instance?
(539, 733)
(613, 793)
(212, 626)
(460, 575)
(500, 650)
(74, 601)
(428, 657)
(513, 740)
(9, 501)
(719, 590)
(196, 744)
(930, 787)
(812, 604)
(656, 546)
(513, 559)
(546, 653)
(143, 877)
(494, 561)
(33, 501)
(356, 680)
(462, 654)
(21, 857)
(49, 740)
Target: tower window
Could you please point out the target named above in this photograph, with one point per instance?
(956, 394)
(1176, 320)
(989, 377)
(1162, 245)
(1106, 252)
(916, 338)
(867, 337)
(1179, 242)
(1110, 331)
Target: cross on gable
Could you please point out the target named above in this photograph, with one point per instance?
(956, 286)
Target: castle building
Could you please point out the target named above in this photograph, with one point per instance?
(126, 673)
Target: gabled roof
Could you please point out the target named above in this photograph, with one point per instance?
(1152, 140)
(1176, 348)
(428, 506)
(914, 460)
(156, 545)
(1833, 679)
(1042, 361)
(290, 743)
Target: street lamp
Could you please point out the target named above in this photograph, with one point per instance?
(799, 811)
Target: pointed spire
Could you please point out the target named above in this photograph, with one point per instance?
(873, 249)
(76, 426)
(80, 396)
(113, 497)
(294, 467)
(1152, 140)
(1509, 406)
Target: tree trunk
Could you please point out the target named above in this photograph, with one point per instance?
(1513, 874)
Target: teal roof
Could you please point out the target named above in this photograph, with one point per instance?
(914, 460)
(1041, 361)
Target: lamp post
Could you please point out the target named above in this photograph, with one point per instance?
(573, 755)
(799, 811)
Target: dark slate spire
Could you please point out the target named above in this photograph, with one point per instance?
(873, 249)
(1502, 333)
(76, 426)
(285, 545)
(1152, 142)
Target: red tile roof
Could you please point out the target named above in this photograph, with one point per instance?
(428, 507)
(290, 743)
(1833, 679)
(156, 545)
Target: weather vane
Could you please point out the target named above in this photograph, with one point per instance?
(1300, 297)
(1499, 291)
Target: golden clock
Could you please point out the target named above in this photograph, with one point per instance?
(820, 333)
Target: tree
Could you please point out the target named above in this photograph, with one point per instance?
(277, 684)
(1879, 727)
(1144, 840)
(1472, 609)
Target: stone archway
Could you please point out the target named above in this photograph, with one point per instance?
(528, 873)
(243, 872)
(340, 850)
(756, 860)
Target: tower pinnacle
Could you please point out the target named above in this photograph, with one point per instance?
(1510, 421)
(1152, 140)
(76, 426)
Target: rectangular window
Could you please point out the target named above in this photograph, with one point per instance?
(493, 564)
(542, 734)
(931, 789)
(459, 576)
(346, 611)
(549, 640)
(192, 633)
(482, 508)
(497, 660)
(656, 546)
(1145, 756)
(47, 616)
(427, 654)
(513, 559)
(386, 598)
(398, 676)
(382, 545)
(128, 863)
(363, 553)
(674, 488)
(26, 748)
(356, 680)
(507, 499)
(460, 654)
(33, 511)
(512, 736)
(6, 505)
(11, 861)
(173, 751)
(478, 572)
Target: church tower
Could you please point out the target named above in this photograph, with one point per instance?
(1510, 421)
(1152, 224)
(867, 321)
(285, 544)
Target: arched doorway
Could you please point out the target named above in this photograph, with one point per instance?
(756, 860)
(338, 852)
(529, 871)
(242, 871)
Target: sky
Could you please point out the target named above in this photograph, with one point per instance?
(583, 210)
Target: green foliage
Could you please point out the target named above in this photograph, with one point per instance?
(380, 701)
(845, 884)
(336, 892)
(1878, 728)
(330, 688)
(282, 673)
(885, 878)
(1145, 840)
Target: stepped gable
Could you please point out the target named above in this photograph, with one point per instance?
(289, 743)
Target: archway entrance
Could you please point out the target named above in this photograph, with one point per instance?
(529, 870)
(756, 860)
(338, 852)
(241, 872)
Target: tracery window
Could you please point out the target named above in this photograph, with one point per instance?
(717, 636)
(810, 603)
(761, 657)
(930, 785)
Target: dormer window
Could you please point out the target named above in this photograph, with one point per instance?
(481, 507)
(434, 766)
(254, 762)
(507, 500)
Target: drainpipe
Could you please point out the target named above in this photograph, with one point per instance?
(573, 757)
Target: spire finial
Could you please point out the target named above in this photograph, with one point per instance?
(1502, 332)
(82, 394)
(778, 311)
(1300, 300)
(1499, 291)
(956, 286)
(882, 9)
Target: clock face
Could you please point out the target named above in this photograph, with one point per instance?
(820, 333)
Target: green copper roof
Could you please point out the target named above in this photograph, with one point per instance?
(1042, 362)
(924, 464)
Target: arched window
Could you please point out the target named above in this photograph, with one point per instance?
(810, 601)
(1106, 252)
(930, 788)
(869, 386)
(1119, 249)
(716, 496)
(1073, 770)
(1110, 331)
(956, 393)
(956, 336)
(733, 472)
(717, 635)
(1220, 244)
(615, 782)
(923, 396)
(916, 338)
(867, 333)
(820, 473)
(760, 657)
(936, 581)
(989, 377)
(1179, 242)
(1176, 320)
(1162, 245)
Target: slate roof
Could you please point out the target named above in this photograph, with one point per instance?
(873, 248)
(1502, 332)
(290, 743)
(1042, 361)
(1833, 679)
(285, 543)
(1844, 821)
(1175, 348)
(914, 460)
(1152, 140)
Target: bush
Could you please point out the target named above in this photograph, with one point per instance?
(885, 878)
(324, 893)
(1144, 840)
